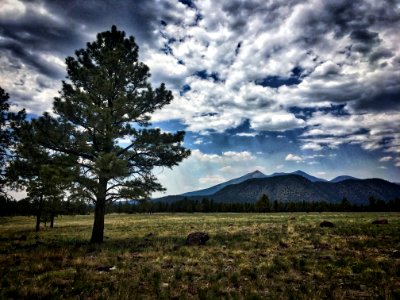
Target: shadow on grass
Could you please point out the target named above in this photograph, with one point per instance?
(151, 242)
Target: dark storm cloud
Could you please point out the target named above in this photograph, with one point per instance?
(352, 18)
(138, 18)
(379, 54)
(70, 24)
(32, 59)
(387, 99)
(40, 34)
(240, 12)
(364, 36)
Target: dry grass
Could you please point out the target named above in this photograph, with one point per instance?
(253, 256)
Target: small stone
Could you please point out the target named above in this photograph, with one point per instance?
(283, 245)
(167, 265)
(197, 238)
(380, 221)
(105, 268)
(326, 224)
(395, 254)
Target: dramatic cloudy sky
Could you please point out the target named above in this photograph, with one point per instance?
(269, 85)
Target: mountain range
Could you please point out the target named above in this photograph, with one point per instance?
(295, 186)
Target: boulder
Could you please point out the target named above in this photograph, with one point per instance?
(197, 238)
(326, 224)
(380, 221)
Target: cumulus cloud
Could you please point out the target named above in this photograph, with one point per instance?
(371, 131)
(198, 141)
(228, 156)
(292, 157)
(276, 122)
(311, 146)
(385, 158)
(227, 66)
(247, 134)
(238, 156)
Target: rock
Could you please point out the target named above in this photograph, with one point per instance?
(197, 238)
(283, 245)
(326, 224)
(321, 246)
(167, 265)
(105, 268)
(380, 221)
(395, 254)
(22, 238)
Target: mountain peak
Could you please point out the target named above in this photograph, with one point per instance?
(308, 176)
(343, 178)
(299, 172)
(257, 172)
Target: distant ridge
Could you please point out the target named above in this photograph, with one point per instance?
(255, 174)
(342, 178)
(301, 173)
(295, 186)
(216, 188)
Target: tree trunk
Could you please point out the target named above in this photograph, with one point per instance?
(52, 220)
(99, 211)
(39, 213)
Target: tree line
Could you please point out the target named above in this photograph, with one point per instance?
(263, 205)
(28, 207)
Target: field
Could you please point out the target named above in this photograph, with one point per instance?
(248, 256)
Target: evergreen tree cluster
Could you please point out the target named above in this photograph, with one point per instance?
(207, 205)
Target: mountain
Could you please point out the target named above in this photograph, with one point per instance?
(256, 174)
(342, 178)
(294, 187)
(297, 188)
(216, 188)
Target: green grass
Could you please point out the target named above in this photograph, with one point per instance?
(248, 256)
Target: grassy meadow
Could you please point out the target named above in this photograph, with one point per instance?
(248, 256)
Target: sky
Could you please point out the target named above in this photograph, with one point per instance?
(274, 86)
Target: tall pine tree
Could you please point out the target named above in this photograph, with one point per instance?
(107, 97)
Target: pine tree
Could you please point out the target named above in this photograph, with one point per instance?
(107, 97)
(43, 174)
(8, 121)
(262, 204)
